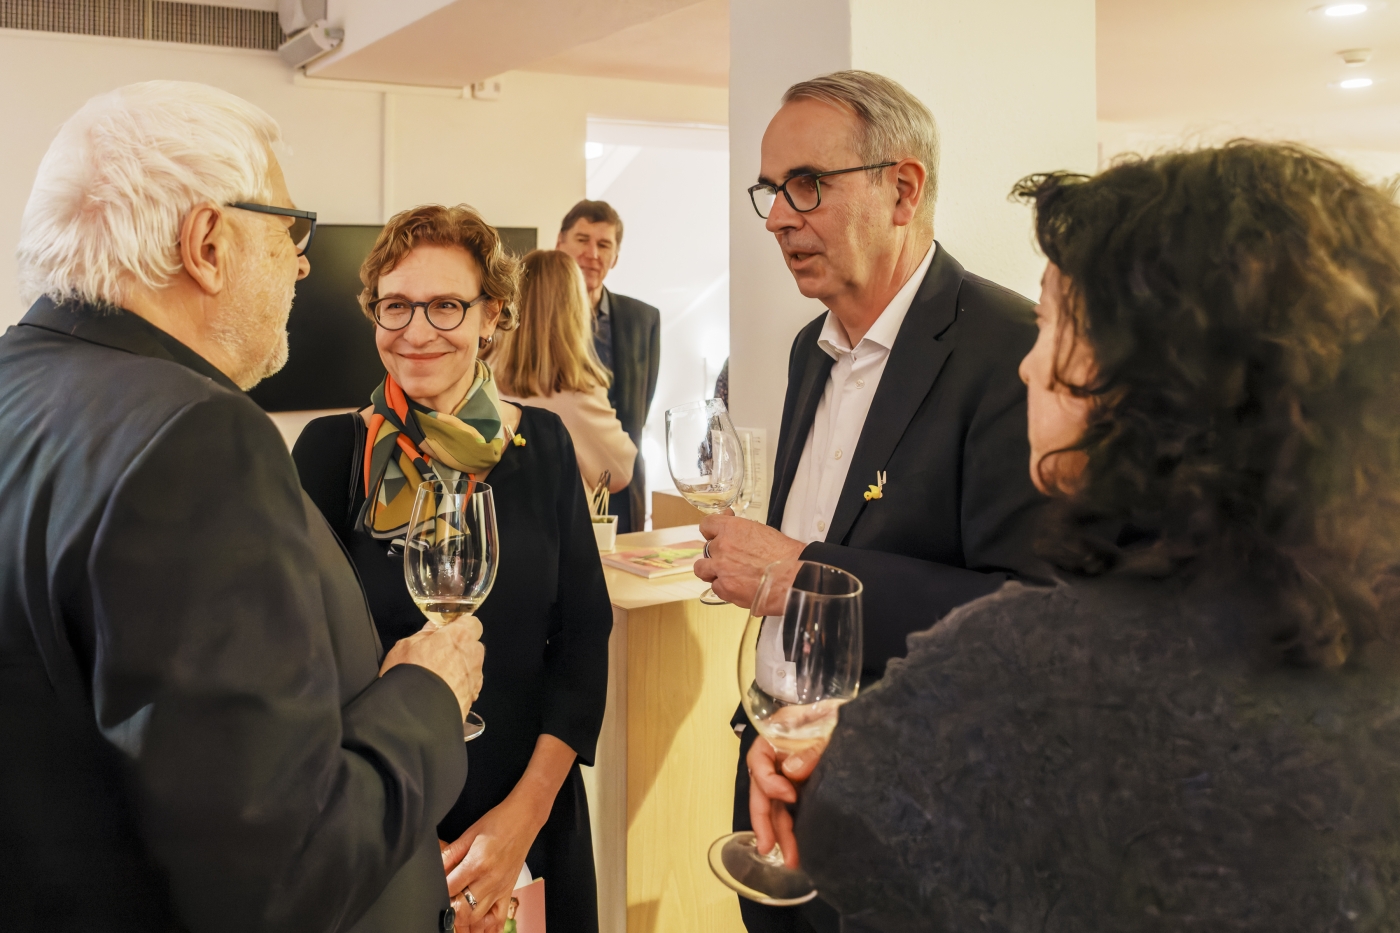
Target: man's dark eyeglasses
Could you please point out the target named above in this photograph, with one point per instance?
(446, 313)
(303, 226)
(803, 192)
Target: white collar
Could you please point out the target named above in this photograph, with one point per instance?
(883, 332)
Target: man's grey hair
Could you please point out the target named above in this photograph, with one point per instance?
(121, 176)
(894, 123)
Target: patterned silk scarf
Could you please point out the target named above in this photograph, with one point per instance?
(409, 443)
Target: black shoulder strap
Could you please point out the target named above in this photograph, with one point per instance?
(360, 433)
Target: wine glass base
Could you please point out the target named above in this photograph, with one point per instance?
(709, 598)
(473, 726)
(735, 861)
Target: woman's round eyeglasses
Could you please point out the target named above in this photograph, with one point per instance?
(803, 191)
(446, 313)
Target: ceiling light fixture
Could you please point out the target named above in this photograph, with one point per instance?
(1347, 10)
(1354, 84)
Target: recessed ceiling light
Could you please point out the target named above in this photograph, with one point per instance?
(1344, 10)
(1354, 84)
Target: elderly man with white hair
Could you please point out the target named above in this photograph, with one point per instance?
(198, 729)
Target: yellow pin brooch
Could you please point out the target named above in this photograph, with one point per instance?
(876, 491)
(518, 440)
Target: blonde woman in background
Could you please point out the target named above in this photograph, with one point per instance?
(549, 362)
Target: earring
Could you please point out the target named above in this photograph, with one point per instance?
(484, 342)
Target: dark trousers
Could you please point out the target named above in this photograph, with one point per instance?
(620, 504)
(815, 916)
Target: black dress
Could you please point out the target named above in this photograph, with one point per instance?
(545, 630)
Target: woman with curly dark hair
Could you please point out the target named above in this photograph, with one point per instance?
(1199, 728)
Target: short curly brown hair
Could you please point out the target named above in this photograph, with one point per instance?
(1243, 309)
(458, 226)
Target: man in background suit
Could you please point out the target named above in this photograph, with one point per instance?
(200, 731)
(910, 376)
(626, 334)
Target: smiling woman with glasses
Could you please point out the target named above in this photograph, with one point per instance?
(439, 286)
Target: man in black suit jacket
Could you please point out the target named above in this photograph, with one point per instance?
(198, 727)
(908, 384)
(626, 334)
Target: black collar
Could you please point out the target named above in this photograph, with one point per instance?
(120, 330)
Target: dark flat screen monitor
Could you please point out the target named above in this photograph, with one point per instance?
(333, 362)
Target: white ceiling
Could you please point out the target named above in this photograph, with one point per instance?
(687, 46)
(463, 41)
(1246, 66)
(1255, 66)
(1214, 67)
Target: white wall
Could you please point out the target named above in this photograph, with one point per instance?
(1116, 138)
(670, 184)
(519, 160)
(1012, 86)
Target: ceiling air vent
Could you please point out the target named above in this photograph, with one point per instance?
(190, 23)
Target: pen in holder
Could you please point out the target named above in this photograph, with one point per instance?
(604, 525)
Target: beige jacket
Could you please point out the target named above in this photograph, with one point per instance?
(599, 441)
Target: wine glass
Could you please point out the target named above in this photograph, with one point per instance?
(799, 661)
(450, 555)
(706, 460)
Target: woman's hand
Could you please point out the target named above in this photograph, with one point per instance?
(773, 780)
(488, 856)
(486, 860)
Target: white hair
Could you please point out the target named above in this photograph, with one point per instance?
(120, 177)
(894, 124)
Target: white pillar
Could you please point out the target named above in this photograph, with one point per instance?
(1011, 84)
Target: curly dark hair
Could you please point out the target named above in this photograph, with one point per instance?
(1242, 305)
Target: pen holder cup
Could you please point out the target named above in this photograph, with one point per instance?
(605, 531)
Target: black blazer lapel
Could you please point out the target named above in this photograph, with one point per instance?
(915, 361)
(816, 369)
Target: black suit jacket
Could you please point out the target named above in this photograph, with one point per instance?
(636, 343)
(948, 427)
(194, 731)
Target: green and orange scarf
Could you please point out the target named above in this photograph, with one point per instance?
(409, 444)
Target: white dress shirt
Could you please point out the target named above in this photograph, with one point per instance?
(841, 413)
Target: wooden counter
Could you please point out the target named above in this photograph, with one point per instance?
(663, 787)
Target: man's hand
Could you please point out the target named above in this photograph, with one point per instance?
(773, 780)
(739, 549)
(452, 651)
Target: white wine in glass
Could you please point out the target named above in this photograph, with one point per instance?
(450, 555)
(799, 661)
(706, 460)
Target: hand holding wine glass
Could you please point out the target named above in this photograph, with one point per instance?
(450, 556)
(799, 661)
(706, 460)
(453, 652)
